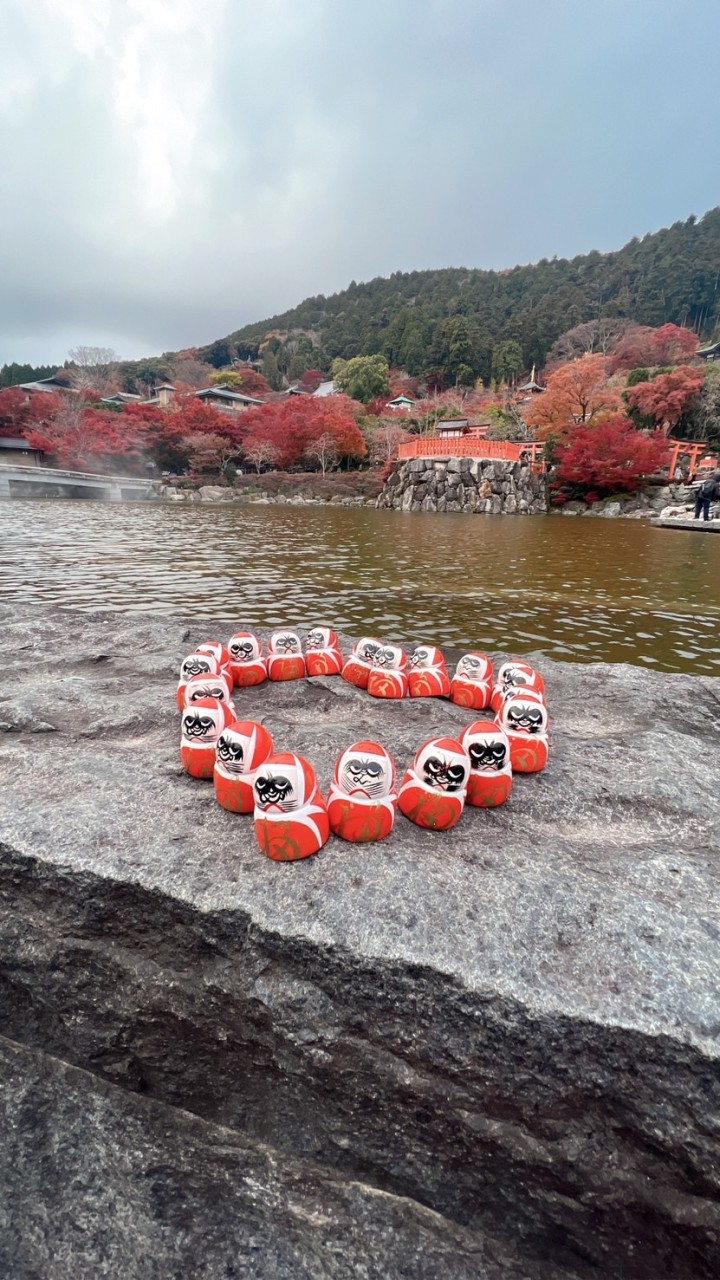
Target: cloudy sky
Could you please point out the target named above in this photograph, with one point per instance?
(170, 170)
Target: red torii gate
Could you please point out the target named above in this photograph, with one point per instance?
(693, 450)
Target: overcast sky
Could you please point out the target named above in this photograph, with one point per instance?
(170, 170)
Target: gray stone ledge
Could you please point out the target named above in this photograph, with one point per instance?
(515, 1023)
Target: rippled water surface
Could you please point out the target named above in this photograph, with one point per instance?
(578, 589)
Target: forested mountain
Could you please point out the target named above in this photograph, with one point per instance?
(456, 322)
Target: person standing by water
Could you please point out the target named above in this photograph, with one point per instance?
(708, 492)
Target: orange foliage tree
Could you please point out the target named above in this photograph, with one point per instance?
(577, 394)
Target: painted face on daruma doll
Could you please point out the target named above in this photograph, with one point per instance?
(366, 649)
(473, 666)
(487, 747)
(424, 657)
(523, 714)
(285, 642)
(202, 723)
(320, 638)
(243, 747)
(200, 686)
(365, 771)
(443, 765)
(244, 647)
(389, 657)
(283, 786)
(198, 664)
(519, 675)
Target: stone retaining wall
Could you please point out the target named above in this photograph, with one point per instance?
(471, 485)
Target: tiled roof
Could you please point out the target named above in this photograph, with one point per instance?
(226, 394)
(9, 442)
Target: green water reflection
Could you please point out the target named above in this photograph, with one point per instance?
(578, 589)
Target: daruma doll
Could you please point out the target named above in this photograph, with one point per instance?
(432, 794)
(359, 665)
(388, 676)
(362, 798)
(202, 724)
(285, 660)
(221, 655)
(241, 748)
(195, 664)
(524, 718)
(427, 673)
(322, 653)
(471, 685)
(490, 779)
(217, 686)
(515, 675)
(247, 663)
(291, 818)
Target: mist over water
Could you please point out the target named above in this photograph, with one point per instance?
(577, 589)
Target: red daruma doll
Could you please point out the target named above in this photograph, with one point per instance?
(217, 686)
(359, 665)
(322, 653)
(472, 683)
(291, 819)
(524, 718)
(515, 675)
(388, 676)
(432, 794)
(195, 664)
(220, 654)
(202, 724)
(285, 660)
(427, 673)
(241, 748)
(362, 799)
(247, 663)
(490, 779)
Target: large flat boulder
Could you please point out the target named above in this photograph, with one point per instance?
(514, 1024)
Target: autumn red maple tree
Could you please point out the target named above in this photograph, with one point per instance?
(641, 347)
(668, 397)
(611, 456)
(20, 412)
(293, 425)
(84, 439)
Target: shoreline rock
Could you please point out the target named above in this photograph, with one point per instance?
(513, 1024)
(220, 493)
(647, 505)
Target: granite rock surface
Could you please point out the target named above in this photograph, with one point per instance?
(513, 1027)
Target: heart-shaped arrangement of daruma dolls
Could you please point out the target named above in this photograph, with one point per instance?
(292, 819)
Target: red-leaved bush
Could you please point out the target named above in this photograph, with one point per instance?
(610, 457)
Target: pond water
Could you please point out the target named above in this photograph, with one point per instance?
(577, 589)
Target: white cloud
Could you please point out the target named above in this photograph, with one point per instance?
(170, 170)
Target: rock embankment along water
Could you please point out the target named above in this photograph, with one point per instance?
(488, 1053)
(222, 493)
(470, 485)
(650, 503)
